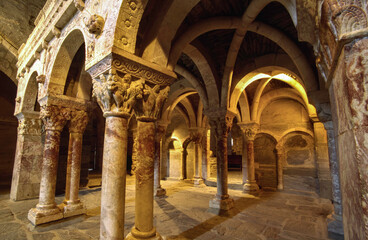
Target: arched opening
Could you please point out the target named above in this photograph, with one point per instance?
(8, 130)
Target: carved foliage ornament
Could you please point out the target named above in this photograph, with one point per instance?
(345, 16)
(29, 126)
(55, 117)
(78, 121)
(141, 71)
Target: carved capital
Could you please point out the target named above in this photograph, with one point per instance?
(250, 130)
(29, 126)
(54, 117)
(117, 95)
(221, 124)
(78, 121)
(196, 134)
(148, 108)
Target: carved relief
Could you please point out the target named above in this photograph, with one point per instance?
(78, 121)
(95, 24)
(141, 71)
(42, 89)
(345, 16)
(221, 125)
(29, 126)
(79, 4)
(116, 94)
(54, 117)
(149, 106)
(357, 80)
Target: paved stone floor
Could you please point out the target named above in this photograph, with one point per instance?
(183, 214)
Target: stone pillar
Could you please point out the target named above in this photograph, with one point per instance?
(183, 155)
(220, 126)
(335, 225)
(28, 158)
(196, 136)
(160, 134)
(249, 131)
(72, 205)
(323, 168)
(147, 111)
(280, 168)
(116, 96)
(54, 118)
(205, 159)
(244, 161)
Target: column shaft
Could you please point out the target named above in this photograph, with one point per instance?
(280, 173)
(114, 178)
(159, 191)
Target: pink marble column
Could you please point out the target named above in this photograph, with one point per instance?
(114, 177)
(54, 118)
(72, 205)
(221, 126)
(160, 133)
(250, 131)
(143, 228)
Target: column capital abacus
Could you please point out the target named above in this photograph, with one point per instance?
(78, 121)
(54, 117)
(250, 130)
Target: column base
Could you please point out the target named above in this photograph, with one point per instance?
(280, 187)
(138, 235)
(159, 192)
(73, 209)
(198, 181)
(250, 187)
(222, 203)
(39, 216)
(335, 225)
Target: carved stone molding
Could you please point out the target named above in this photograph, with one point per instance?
(78, 121)
(138, 68)
(55, 117)
(79, 4)
(29, 126)
(149, 106)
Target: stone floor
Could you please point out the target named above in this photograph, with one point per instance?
(183, 214)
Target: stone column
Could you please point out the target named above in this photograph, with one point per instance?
(72, 205)
(28, 158)
(323, 168)
(147, 111)
(244, 161)
(196, 136)
(205, 150)
(220, 126)
(115, 95)
(54, 118)
(250, 130)
(160, 133)
(280, 168)
(335, 225)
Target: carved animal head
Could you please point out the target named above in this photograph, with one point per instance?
(95, 24)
